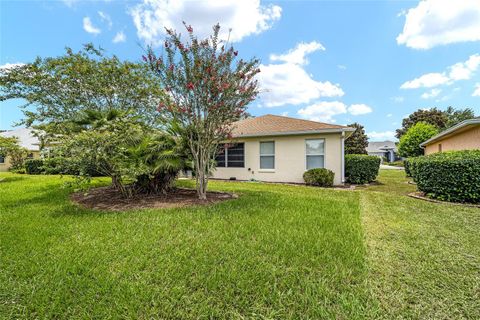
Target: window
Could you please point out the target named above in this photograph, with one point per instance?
(315, 153)
(267, 155)
(439, 147)
(2, 159)
(233, 156)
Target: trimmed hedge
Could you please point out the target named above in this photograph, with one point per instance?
(34, 166)
(449, 176)
(320, 177)
(360, 168)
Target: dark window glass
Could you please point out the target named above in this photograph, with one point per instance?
(2, 159)
(220, 159)
(236, 155)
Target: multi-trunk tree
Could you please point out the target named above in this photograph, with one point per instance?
(207, 89)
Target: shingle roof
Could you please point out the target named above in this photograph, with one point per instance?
(381, 146)
(25, 137)
(271, 125)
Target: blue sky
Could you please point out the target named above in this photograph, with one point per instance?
(371, 62)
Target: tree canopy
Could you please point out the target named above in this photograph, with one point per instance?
(440, 119)
(63, 88)
(208, 88)
(358, 141)
(409, 145)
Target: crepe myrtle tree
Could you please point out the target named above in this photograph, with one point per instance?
(208, 88)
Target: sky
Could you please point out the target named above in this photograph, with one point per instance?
(371, 62)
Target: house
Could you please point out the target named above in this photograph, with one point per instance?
(280, 149)
(462, 136)
(387, 149)
(26, 139)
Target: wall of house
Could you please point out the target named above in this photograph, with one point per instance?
(466, 140)
(6, 165)
(290, 159)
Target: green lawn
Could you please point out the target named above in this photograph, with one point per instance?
(276, 252)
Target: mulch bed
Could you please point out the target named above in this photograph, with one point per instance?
(107, 198)
(422, 196)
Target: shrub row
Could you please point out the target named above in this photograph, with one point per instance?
(449, 176)
(58, 165)
(319, 177)
(33, 166)
(360, 168)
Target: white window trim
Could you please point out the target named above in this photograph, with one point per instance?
(266, 155)
(320, 154)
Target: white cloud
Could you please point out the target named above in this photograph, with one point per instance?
(9, 66)
(389, 115)
(465, 70)
(323, 111)
(431, 94)
(359, 109)
(426, 81)
(458, 71)
(285, 113)
(89, 27)
(439, 22)
(381, 136)
(289, 83)
(476, 93)
(119, 37)
(342, 67)
(246, 17)
(106, 18)
(298, 54)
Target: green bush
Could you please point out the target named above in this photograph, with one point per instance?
(360, 168)
(450, 176)
(320, 177)
(409, 145)
(34, 166)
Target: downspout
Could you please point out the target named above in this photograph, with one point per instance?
(343, 156)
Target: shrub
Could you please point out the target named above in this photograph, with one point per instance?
(409, 145)
(449, 176)
(361, 168)
(34, 166)
(319, 177)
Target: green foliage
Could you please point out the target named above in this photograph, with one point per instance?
(435, 117)
(34, 166)
(455, 116)
(209, 89)
(361, 168)
(320, 177)
(399, 163)
(62, 88)
(10, 148)
(440, 119)
(409, 145)
(358, 141)
(450, 176)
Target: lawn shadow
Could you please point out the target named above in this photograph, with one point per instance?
(4, 180)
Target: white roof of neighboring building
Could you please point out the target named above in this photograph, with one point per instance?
(381, 146)
(464, 125)
(25, 137)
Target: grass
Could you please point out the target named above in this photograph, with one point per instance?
(282, 252)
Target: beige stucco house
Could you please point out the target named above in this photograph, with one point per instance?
(280, 149)
(26, 139)
(463, 136)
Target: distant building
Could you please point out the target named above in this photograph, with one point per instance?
(387, 149)
(462, 136)
(26, 139)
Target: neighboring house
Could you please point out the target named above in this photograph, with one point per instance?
(387, 149)
(280, 149)
(26, 139)
(462, 136)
